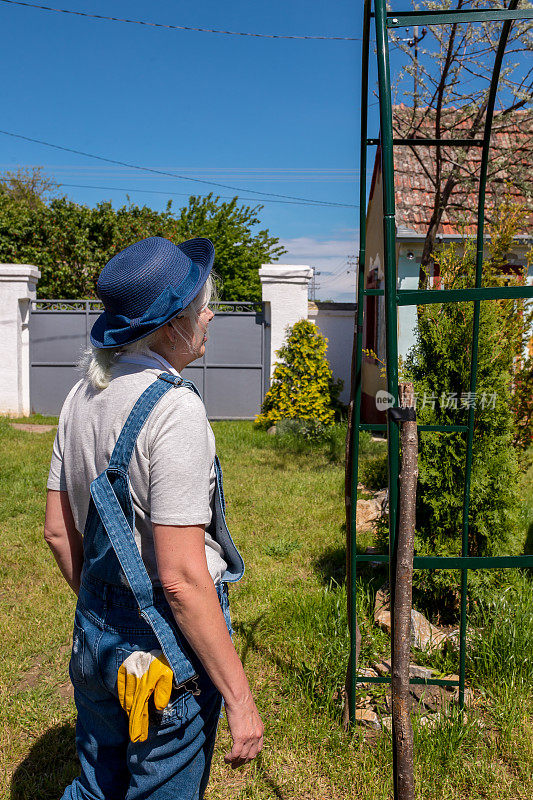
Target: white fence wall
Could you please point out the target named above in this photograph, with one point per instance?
(284, 288)
(336, 321)
(17, 289)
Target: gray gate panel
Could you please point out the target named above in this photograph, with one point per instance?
(235, 339)
(232, 393)
(50, 386)
(196, 373)
(57, 343)
(231, 376)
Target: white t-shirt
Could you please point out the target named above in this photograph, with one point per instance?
(172, 475)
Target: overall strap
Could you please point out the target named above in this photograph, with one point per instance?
(120, 530)
(122, 452)
(121, 536)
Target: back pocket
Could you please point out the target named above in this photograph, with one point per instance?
(176, 710)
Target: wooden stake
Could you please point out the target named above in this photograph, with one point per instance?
(404, 786)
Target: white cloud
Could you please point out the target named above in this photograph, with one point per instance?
(329, 257)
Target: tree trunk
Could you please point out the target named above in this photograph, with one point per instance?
(402, 728)
(348, 509)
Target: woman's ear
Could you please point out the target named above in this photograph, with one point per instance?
(170, 335)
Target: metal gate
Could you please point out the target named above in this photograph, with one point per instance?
(232, 376)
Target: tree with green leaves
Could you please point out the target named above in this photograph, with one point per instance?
(70, 242)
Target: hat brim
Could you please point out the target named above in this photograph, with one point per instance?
(202, 253)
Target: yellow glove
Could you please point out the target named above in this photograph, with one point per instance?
(139, 676)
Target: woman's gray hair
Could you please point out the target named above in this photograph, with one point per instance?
(96, 364)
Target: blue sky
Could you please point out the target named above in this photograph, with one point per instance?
(270, 115)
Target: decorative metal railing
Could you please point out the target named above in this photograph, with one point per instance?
(96, 306)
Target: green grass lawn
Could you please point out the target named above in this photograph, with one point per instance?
(285, 510)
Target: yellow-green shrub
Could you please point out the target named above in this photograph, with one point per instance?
(302, 384)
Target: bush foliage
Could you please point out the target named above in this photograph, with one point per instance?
(70, 243)
(440, 366)
(302, 385)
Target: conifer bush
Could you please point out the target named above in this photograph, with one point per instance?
(439, 364)
(302, 385)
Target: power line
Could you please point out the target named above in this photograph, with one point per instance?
(348, 266)
(330, 281)
(178, 194)
(307, 200)
(179, 27)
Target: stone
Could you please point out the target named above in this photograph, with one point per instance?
(452, 639)
(424, 635)
(430, 721)
(420, 672)
(382, 497)
(368, 718)
(382, 609)
(272, 430)
(32, 428)
(382, 666)
(363, 701)
(366, 672)
(451, 678)
(386, 723)
(368, 512)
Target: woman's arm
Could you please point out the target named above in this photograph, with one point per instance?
(63, 539)
(189, 588)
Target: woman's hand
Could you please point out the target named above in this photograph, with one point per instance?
(246, 730)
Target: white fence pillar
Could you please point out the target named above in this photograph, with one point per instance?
(284, 291)
(18, 283)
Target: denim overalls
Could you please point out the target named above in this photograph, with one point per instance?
(119, 611)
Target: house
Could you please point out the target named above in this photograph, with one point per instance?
(414, 201)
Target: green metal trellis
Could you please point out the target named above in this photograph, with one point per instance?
(394, 298)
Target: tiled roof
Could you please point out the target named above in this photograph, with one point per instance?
(415, 169)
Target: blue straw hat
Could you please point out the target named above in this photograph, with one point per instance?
(147, 284)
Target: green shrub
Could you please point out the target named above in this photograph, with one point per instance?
(308, 435)
(522, 404)
(440, 365)
(311, 430)
(302, 385)
(374, 472)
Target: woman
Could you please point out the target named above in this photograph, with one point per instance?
(134, 467)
